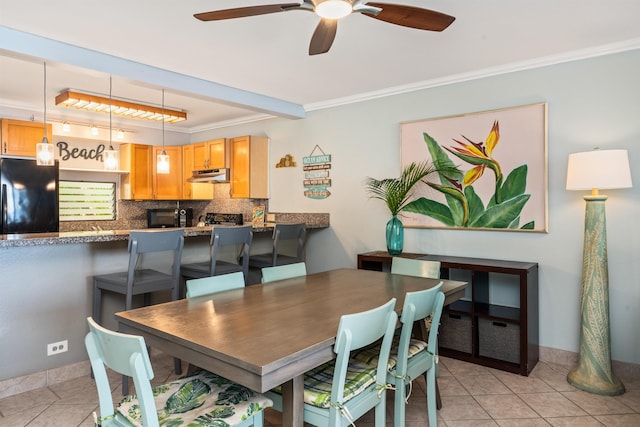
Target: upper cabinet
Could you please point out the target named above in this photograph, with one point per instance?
(168, 186)
(249, 167)
(193, 190)
(19, 138)
(210, 154)
(138, 183)
(142, 182)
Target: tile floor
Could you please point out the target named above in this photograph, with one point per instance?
(471, 396)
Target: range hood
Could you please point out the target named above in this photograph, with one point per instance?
(212, 176)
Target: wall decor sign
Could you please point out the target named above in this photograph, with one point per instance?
(316, 174)
(495, 170)
(79, 153)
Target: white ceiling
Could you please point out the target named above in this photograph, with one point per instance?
(267, 55)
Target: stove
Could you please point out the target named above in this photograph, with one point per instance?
(223, 219)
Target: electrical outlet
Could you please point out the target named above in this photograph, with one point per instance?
(57, 347)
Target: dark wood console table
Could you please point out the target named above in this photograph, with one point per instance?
(481, 328)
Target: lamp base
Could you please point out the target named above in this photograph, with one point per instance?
(594, 373)
(584, 378)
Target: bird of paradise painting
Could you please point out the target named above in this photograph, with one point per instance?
(493, 170)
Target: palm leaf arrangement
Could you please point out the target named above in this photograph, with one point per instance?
(396, 192)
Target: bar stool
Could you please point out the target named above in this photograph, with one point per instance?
(282, 233)
(222, 236)
(136, 281)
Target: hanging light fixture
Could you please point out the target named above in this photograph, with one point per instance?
(120, 107)
(110, 155)
(163, 165)
(44, 150)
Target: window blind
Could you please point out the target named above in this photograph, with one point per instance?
(87, 201)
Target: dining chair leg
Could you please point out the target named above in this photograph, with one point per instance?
(438, 399)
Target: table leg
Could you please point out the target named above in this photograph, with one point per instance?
(293, 402)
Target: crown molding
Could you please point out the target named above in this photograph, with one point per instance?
(545, 61)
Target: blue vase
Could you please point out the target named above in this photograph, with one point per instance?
(395, 236)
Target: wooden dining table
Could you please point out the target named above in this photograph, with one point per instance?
(267, 335)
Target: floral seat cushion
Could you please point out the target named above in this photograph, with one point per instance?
(369, 354)
(203, 399)
(318, 382)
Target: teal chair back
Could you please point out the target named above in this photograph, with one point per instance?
(281, 272)
(214, 284)
(417, 307)
(125, 354)
(356, 331)
(415, 267)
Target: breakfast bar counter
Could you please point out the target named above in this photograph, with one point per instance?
(313, 221)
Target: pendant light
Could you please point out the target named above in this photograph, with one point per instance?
(110, 155)
(163, 165)
(44, 150)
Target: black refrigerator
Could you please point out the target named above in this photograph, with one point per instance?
(28, 196)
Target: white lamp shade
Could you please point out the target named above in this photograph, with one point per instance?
(598, 169)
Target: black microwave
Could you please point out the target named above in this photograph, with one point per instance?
(166, 218)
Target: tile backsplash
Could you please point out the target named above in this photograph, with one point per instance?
(132, 214)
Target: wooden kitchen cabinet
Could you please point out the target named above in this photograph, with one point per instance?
(193, 190)
(138, 183)
(210, 154)
(168, 186)
(19, 138)
(249, 167)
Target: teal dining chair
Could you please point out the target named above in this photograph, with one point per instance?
(415, 267)
(410, 358)
(203, 400)
(281, 272)
(415, 357)
(214, 284)
(420, 268)
(339, 392)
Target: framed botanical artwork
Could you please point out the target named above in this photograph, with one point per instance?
(492, 170)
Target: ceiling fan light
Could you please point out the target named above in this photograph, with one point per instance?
(333, 9)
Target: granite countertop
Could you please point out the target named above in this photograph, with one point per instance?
(313, 221)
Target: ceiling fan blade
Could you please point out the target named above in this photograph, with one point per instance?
(242, 12)
(412, 17)
(323, 36)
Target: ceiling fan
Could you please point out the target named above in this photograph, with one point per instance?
(332, 10)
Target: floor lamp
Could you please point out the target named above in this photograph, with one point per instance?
(596, 170)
